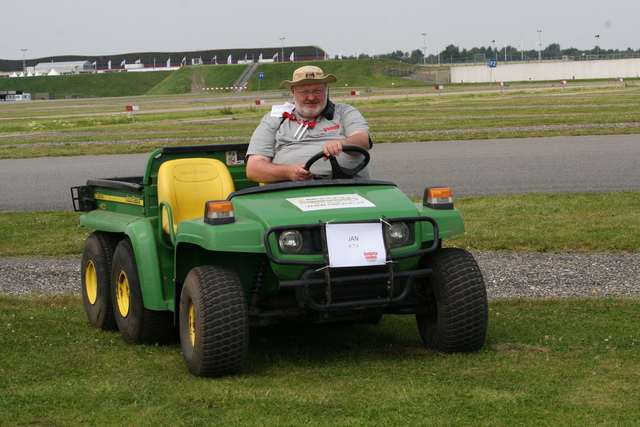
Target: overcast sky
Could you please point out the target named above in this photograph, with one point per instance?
(105, 27)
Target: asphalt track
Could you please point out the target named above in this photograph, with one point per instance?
(471, 168)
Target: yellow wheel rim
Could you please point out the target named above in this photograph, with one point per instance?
(192, 324)
(91, 282)
(123, 293)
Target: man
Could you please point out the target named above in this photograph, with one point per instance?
(289, 135)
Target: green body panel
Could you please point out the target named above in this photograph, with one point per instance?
(143, 239)
(120, 201)
(449, 221)
(273, 209)
(244, 235)
(126, 204)
(110, 222)
(188, 256)
(238, 245)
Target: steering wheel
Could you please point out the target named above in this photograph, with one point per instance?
(337, 171)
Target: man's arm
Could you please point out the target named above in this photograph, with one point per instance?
(260, 169)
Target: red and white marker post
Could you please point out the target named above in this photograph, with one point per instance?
(132, 108)
(439, 89)
(355, 93)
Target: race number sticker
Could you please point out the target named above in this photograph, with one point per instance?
(339, 201)
(355, 245)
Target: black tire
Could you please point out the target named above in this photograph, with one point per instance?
(137, 324)
(95, 273)
(214, 324)
(456, 300)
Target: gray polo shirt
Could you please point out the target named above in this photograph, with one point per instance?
(275, 140)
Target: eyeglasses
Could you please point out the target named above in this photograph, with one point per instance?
(317, 92)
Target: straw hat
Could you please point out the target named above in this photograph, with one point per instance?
(309, 75)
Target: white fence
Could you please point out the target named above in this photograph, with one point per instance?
(537, 71)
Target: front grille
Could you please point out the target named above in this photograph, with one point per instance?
(358, 290)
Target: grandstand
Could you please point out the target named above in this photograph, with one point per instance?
(163, 59)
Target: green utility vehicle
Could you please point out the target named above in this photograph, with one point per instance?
(195, 249)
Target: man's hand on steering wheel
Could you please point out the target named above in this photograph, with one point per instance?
(337, 171)
(298, 172)
(332, 148)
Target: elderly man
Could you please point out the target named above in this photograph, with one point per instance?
(289, 135)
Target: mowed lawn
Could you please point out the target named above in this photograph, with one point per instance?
(556, 362)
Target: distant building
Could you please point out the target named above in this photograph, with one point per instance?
(70, 67)
(14, 95)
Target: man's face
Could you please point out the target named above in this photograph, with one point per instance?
(310, 100)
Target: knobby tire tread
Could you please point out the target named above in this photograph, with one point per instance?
(464, 308)
(141, 326)
(223, 323)
(100, 247)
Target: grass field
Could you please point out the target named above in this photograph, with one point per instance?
(562, 362)
(406, 112)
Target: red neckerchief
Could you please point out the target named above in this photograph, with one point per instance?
(304, 124)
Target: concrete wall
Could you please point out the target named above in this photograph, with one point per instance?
(536, 71)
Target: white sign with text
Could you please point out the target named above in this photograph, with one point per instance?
(339, 201)
(355, 245)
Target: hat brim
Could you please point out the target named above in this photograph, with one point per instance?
(329, 78)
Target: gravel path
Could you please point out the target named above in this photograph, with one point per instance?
(507, 275)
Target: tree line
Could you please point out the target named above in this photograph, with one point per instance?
(453, 54)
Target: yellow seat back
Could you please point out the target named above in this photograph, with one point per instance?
(186, 184)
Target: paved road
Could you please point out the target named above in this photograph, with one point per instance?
(514, 166)
(505, 166)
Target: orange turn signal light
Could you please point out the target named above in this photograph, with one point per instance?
(438, 198)
(218, 212)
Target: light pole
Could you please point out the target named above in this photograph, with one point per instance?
(539, 46)
(282, 41)
(24, 68)
(493, 49)
(597, 39)
(424, 48)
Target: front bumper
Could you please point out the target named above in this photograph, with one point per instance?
(327, 289)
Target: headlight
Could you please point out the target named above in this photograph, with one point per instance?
(399, 234)
(290, 241)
